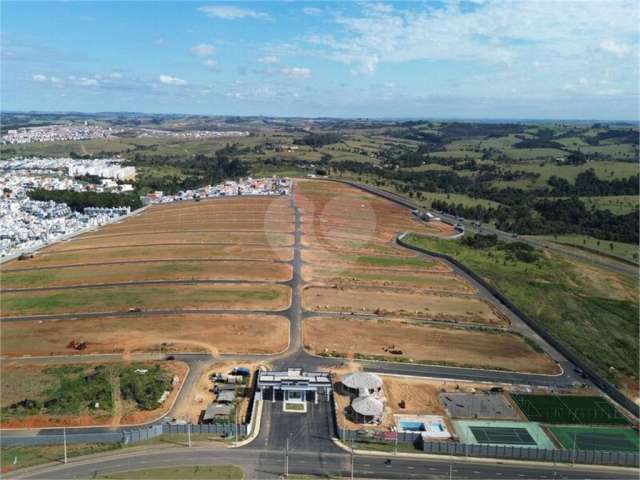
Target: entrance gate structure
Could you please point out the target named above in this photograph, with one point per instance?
(294, 386)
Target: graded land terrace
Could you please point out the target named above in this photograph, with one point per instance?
(109, 299)
(255, 334)
(423, 344)
(354, 267)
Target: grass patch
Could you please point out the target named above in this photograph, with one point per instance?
(592, 311)
(370, 260)
(122, 298)
(36, 455)
(77, 389)
(219, 472)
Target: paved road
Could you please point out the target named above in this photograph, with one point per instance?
(611, 265)
(269, 464)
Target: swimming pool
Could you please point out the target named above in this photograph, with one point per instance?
(412, 426)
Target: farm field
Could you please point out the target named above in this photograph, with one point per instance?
(422, 344)
(196, 296)
(569, 409)
(597, 438)
(135, 272)
(225, 333)
(87, 394)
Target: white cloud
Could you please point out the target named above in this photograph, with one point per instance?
(170, 80)
(269, 60)
(297, 72)
(203, 50)
(311, 11)
(230, 12)
(87, 82)
(115, 76)
(56, 80)
(210, 64)
(39, 78)
(615, 48)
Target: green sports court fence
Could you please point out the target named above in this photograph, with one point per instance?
(569, 409)
(597, 438)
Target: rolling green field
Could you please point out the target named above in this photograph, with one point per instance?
(617, 204)
(569, 409)
(37, 455)
(592, 311)
(625, 251)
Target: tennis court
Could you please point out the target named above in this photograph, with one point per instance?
(597, 438)
(569, 409)
(519, 434)
(499, 435)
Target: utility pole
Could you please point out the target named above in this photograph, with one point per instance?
(237, 423)
(286, 459)
(189, 433)
(352, 458)
(450, 470)
(64, 441)
(396, 449)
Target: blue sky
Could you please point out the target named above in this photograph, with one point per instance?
(450, 59)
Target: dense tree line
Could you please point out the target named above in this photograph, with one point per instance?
(588, 184)
(78, 201)
(317, 140)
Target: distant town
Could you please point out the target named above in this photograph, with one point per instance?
(85, 131)
(27, 224)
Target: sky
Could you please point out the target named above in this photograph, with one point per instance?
(421, 59)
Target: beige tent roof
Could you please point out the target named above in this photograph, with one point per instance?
(369, 406)
(358, 380)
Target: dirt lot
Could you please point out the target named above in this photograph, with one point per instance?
(106, 299)
(150, 251)
(385, 277)
(386, 301)
(177, 237)
(201, 270)
(340, 206)
(421, 343)
(192, 332)
(14, 389)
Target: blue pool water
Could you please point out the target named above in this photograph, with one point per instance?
(410, 426)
